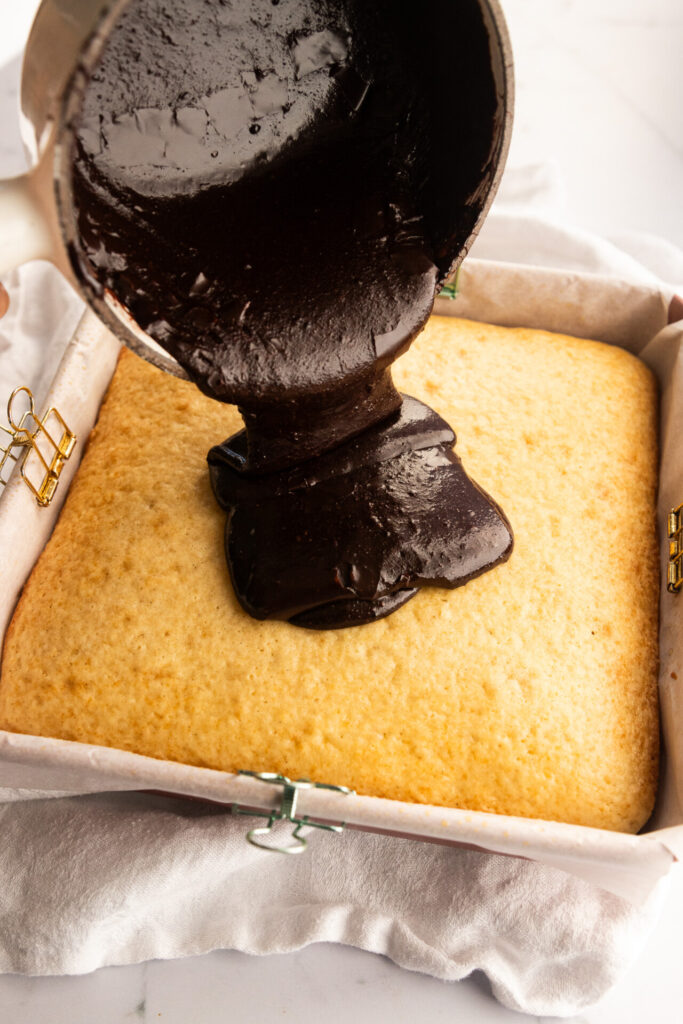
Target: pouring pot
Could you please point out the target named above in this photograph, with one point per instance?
(68, 37)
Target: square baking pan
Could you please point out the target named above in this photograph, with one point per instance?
(606, 309)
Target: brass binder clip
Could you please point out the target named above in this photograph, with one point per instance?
(287, 812)
(675, 576)
(41, 443)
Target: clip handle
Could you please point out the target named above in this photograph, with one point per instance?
(22, 435)
(254, 834)
(298, 846)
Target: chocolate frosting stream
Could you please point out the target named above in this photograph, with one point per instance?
(260, 183)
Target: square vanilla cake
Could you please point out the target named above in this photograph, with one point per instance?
(530, 691)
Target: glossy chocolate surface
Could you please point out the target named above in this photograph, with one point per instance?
(348, 537)
(274, 189)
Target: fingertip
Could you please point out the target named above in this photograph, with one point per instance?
(4, 301)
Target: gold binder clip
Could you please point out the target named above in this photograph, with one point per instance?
(41, 443)
(675, 577)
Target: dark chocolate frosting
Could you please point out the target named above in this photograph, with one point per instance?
(347, 537)
(262, 184)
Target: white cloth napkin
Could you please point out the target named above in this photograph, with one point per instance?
(113, 879)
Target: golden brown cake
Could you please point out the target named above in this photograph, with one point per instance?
(530, 691)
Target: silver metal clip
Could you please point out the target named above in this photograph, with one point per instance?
(287, 812)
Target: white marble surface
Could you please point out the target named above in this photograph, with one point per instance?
(599, 91)
(599, 88)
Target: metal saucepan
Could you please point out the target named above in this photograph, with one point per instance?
(68, 37)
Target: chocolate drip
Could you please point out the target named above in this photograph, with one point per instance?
(262, 185)
(349, 536)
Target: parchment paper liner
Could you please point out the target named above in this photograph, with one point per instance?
(606, 309)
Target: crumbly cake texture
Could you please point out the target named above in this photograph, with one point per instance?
(530, 691)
